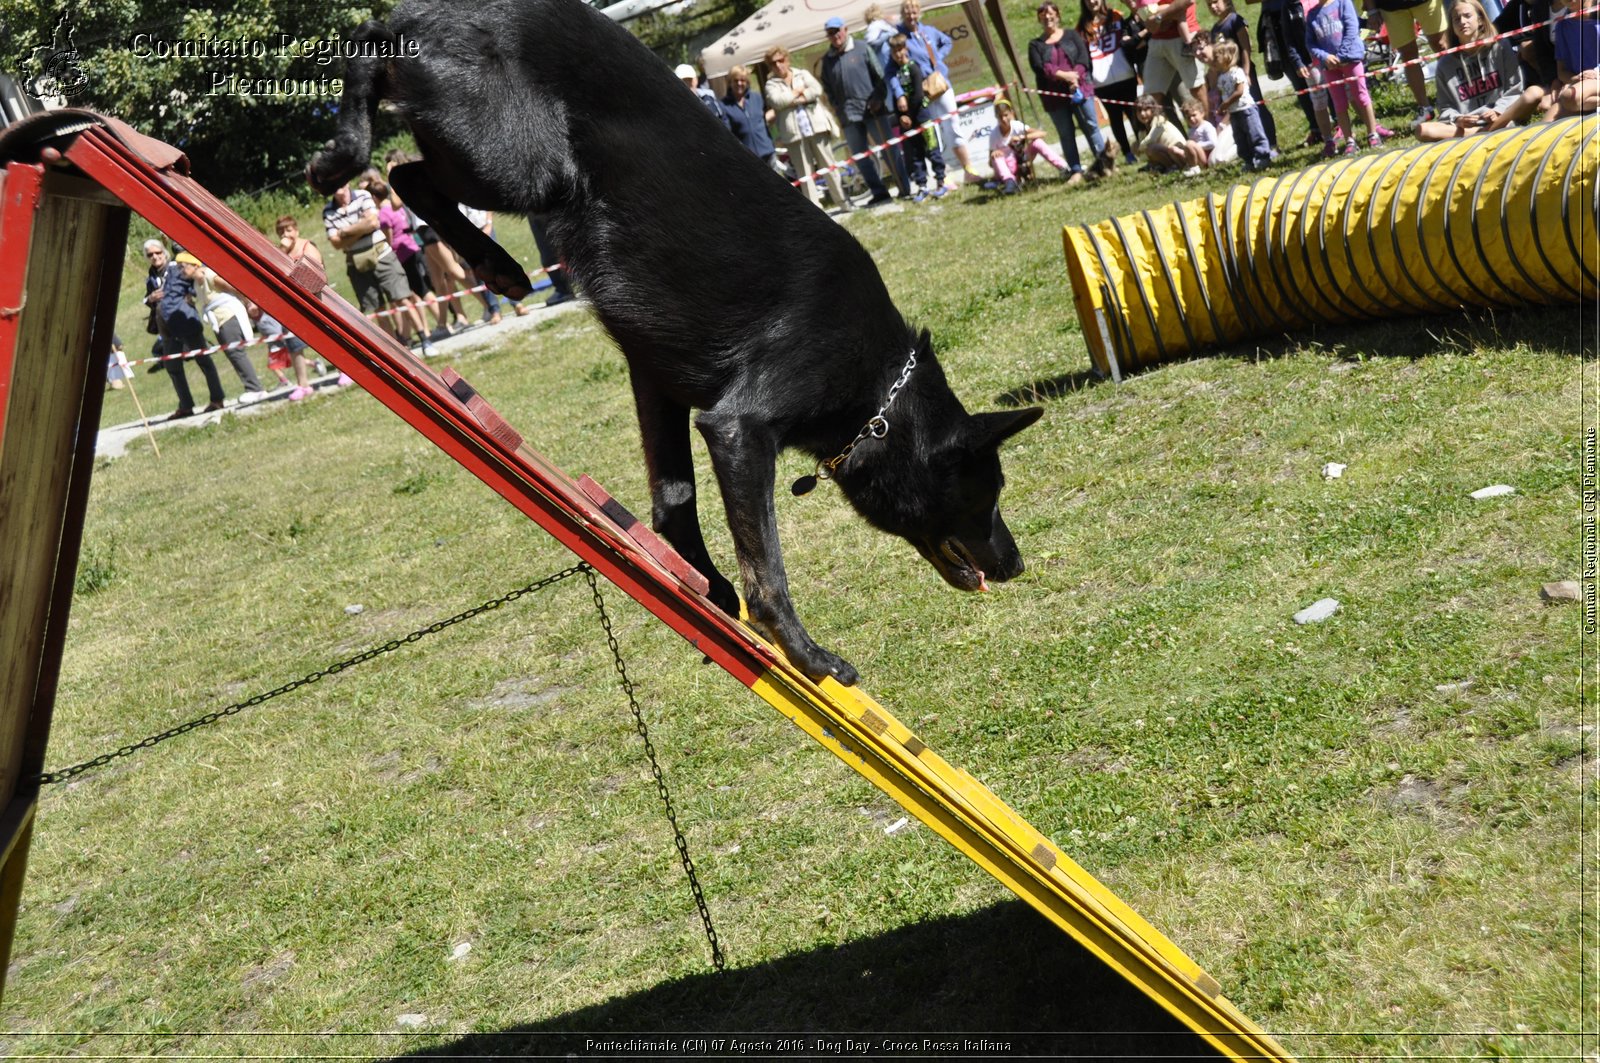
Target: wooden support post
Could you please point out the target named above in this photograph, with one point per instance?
(62, 242)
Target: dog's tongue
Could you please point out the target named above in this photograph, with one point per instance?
(983, 584)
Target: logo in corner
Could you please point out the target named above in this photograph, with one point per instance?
(59, 73)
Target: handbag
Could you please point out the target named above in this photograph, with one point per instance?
(365, 260)
(935, 84)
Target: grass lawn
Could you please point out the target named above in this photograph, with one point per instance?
(1372, 831)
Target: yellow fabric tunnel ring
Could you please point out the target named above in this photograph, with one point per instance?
(1503, 220)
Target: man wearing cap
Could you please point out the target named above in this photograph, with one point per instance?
(690, 77)
(170, 296)
(853, 79)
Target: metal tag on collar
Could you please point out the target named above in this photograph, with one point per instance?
(808, 483)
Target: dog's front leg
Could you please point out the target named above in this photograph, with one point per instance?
(745, 457)
(349, 152)
(664, 426)
(492, 263)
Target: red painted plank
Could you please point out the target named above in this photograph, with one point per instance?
(246, 259)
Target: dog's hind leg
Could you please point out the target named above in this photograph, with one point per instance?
(664, 425)
(492, 263)
(365, 83)
(745, 457)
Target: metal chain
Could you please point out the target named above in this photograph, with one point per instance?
(877, 427)
(655, 769)
(333, 669)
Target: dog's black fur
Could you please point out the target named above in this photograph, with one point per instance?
(727, 291)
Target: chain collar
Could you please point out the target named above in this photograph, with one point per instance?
(876, 428)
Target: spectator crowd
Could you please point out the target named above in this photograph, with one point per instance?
(1183, 97)
(403, 276)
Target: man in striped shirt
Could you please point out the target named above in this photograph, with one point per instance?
(351, 221)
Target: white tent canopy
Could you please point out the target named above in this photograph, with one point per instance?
(797, 24)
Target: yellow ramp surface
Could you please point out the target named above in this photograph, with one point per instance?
(864, 735)
(1504, 219)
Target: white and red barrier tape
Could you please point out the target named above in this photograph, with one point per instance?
(976, 98)
(429, 300)
(1418, 61)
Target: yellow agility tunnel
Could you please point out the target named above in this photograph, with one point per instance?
(1501, 220)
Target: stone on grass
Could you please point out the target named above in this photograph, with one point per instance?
(461, 950)
(1494, 491)
(1317, 611)
(1454, 688)
(1567, 590)
(355, 610)
(1333, 470)
(411, 1020)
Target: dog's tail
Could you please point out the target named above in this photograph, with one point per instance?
(349, 152)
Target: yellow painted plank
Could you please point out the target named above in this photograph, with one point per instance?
(866, 736)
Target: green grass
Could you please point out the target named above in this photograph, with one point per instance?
(1370, 866)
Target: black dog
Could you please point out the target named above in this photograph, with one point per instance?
(726, 290)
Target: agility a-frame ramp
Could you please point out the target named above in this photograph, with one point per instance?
(68, 181)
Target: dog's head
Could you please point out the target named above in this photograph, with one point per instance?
(939, 489)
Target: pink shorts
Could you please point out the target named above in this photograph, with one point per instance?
(1342, 94)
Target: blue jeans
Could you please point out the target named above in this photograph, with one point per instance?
(855, 134)
(1087, 118)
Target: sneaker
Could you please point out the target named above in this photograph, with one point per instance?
(919, 196)
(1424, 114)
(1382, 132)
(1009, 188)
(1329, 150)
(345, 380)
(939, 192)
(429, 350)
(1130, 158)
(248, 397)
(1350, 146)
(1195, 171)
(879, 201)
(440, 333)
(1374, 141)
(301, 394)
(558, 298)
(181, 412)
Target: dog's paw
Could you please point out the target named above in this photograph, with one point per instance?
(328, 169)
(504, 278)
(817, 663)
(722, 594)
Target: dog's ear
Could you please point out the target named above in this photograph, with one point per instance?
(992, 429)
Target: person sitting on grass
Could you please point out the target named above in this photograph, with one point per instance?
(1011, 144)
(1479, 87)
(1577, 46)
(1164, 147)
(1202, 138)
